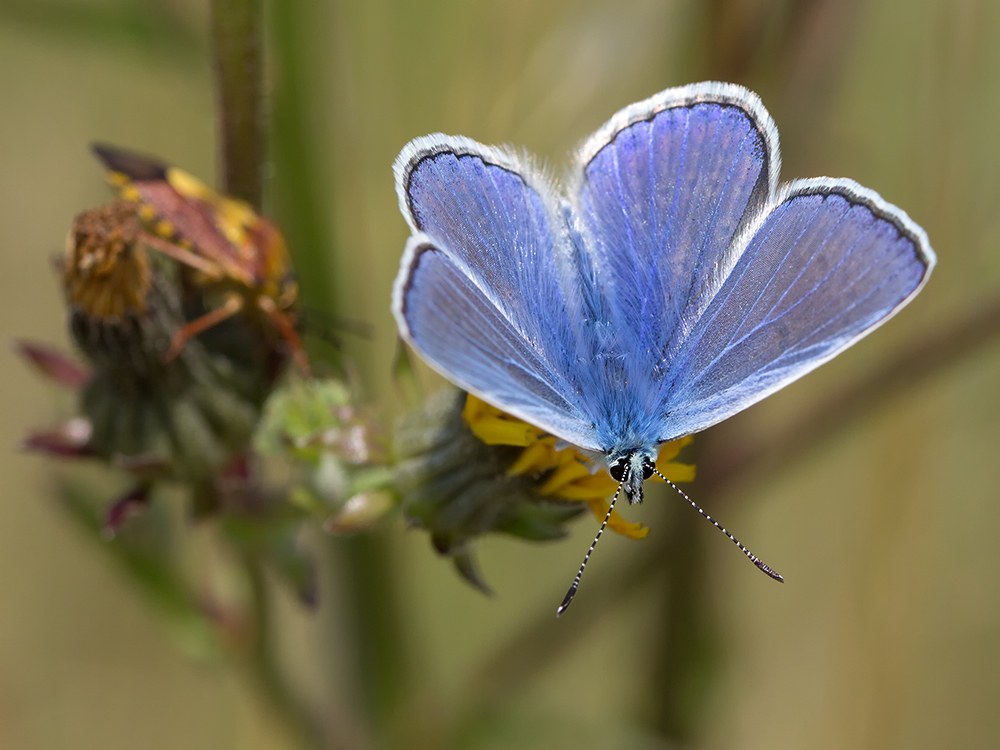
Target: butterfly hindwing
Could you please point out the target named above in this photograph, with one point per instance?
(826, 266)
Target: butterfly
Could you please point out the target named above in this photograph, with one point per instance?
(670, 284)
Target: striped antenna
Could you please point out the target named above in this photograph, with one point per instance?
(753, 558)
(579, 574)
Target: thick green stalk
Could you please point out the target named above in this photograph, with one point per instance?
(236, 52)
(300, 207)
(381, 657)
(370, 606)
(682, 665)
(266, 670)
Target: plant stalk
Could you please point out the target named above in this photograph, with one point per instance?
(370, 607)
(236, 53)
(237, 57)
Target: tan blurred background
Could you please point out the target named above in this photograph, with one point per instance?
(887, 632)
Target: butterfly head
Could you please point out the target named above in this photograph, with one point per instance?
(632, 469)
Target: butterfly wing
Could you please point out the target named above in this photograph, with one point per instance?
(664, 187)
(482, 288)
(827, 265)
(662, 191)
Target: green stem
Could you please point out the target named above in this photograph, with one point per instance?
(236, 45)
(236, 51)
(300, 205)
(681, 665)
(532, 650)
(381, 659)
(371, 603)
(264, 665)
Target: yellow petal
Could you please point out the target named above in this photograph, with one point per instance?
(494, 427)
(669, 451)
(498, 431)
(534, 458)
(596, 486)
(576, 492)
(564, 475)
(474, 409)
(616, 523)
(676, 472)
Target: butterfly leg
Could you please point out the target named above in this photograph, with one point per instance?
(284, 325)
(232, 305)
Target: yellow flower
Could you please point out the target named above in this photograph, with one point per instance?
(571, 477)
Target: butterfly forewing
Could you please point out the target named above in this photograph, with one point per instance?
(664, 195)
(661, 192)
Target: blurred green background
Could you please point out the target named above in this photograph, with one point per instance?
(886, 633)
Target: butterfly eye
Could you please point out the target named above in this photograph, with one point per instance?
(647, 469)
(617, 469)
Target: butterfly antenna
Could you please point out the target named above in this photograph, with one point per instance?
(579, 574)
(753, 558)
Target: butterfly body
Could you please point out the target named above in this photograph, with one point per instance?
(672, 284)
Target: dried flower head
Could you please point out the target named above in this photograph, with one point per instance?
(146, 405)
(106, 271)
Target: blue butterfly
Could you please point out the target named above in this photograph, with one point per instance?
(672, 283)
